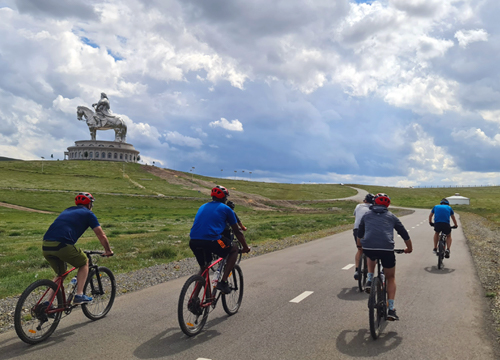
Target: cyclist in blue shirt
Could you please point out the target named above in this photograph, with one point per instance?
(207, 239)
(60, 239)
(442, 214)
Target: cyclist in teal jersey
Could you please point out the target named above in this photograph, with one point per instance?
(442, 214)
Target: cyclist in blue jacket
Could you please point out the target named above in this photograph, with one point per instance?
(207, 239)
(442, 214)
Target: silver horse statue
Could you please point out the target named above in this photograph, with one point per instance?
(102, 119)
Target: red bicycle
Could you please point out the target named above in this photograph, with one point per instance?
(199, 295)
(42, 304)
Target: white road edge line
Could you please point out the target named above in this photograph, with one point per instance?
(301, 296)
(347, 267)
(203, 359)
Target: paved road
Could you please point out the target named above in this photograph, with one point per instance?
(443, 312)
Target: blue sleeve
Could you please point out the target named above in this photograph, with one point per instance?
(231, 216)
(432, 211)
(93, 222)
(451, 211)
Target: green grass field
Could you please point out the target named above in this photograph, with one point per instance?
(145, 229)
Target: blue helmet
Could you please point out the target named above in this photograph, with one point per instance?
(445, 202)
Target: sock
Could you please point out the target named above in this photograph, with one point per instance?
(370, 277)
(391, 304)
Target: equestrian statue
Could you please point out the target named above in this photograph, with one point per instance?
(102, 119)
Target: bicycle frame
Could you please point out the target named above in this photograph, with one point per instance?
(209, 299)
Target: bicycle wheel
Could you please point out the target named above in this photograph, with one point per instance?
(375, 309)
(190, 313)
(440, 254)
(102, 289)
(231, 302)
(363, 272)
(239, 251)
(32, 323)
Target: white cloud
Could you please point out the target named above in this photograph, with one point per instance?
(233, 125)
(178, 139)
(466, 37)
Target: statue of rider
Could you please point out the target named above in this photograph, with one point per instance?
(102, 109)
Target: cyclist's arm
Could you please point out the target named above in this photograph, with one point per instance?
(409, 246)
(103, 239)
(237, 232)
(454, 220)
(430, 217)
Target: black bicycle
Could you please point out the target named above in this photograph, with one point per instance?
(42, 304)
(362, 272)
(377, 302)
(441, 250)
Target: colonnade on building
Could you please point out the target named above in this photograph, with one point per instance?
(102, 151)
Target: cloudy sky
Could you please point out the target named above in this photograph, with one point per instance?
(389, 92)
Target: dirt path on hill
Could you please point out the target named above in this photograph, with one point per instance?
(254, 201)
(22, 208)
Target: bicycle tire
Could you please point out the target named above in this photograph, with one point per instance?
(374, 310)
(103, 297)
(362, 272)
(240, 247)
(231, 302)
(28, 313)
(189, 308)
(440, 253)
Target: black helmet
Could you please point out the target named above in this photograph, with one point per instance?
(369, 198)
(230, 204)
(445, 202)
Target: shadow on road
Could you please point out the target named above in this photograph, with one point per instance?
(173, 341)
(360, 343)
(18, 347)
(435, 270)
(352, 294)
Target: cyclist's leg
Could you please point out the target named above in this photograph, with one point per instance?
(231, 260)
(359, 251)
(388, 260)
(77, 258)
(436, 237)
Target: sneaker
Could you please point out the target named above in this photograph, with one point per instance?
(391, 315)
(356, 275)
(447, 253)
(223, 286)
(435, 251)
(368, 286)
(81, 299)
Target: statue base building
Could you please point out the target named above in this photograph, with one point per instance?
(97, 150)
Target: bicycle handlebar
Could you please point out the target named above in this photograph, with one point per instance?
(399, 251)
(96, 252)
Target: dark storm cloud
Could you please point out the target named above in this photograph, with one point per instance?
(58, 9)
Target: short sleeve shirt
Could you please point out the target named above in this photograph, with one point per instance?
(210, 221)
(442, 213)
(71, 224)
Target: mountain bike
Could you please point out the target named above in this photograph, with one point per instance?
(362, 272)
(377, 302)
(442, 248)
(42, 304)
(199, 296)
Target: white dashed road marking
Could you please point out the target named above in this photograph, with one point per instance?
(301, 296)
(347, 267)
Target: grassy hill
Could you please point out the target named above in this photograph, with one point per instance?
(2, 158)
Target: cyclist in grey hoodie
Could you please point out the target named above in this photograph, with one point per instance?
(376, 236)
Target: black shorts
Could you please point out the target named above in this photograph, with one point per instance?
(444, 227)
(387, 258)
(203, 250)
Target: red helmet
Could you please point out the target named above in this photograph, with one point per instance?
(84, 198)
(382, 199)
(220, 192)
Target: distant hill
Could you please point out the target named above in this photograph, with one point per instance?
(8, 159)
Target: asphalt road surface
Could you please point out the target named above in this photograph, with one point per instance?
(443, 313)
